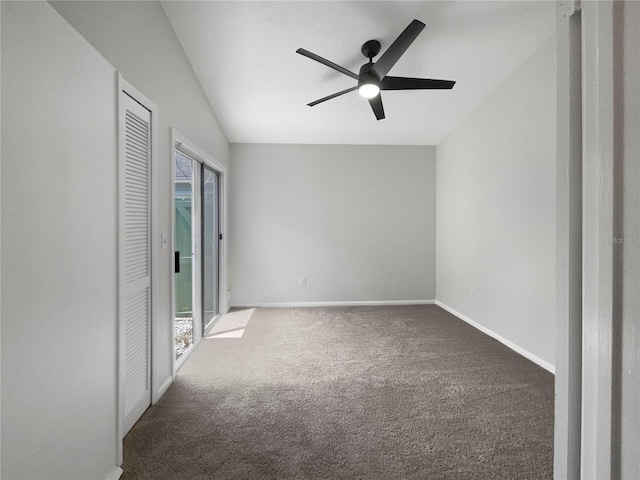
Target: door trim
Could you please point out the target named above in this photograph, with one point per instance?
(568, 380)
(587, 417)
(599, 304)
(124, 87)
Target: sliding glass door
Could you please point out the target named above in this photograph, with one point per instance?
(197, 242)
(184, 200)
(210, 245)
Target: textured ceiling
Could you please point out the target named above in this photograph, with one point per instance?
(244, 56)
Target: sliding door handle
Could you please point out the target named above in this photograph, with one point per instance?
(176, 262)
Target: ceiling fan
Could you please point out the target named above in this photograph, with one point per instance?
(373, 76)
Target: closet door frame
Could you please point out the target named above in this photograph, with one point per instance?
(124, 88)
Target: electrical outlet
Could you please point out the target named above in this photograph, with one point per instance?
(303, 281)
(473, 294)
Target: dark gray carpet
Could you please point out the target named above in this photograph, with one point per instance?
(406, 392)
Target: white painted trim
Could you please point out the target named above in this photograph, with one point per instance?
(178, 362)
(525, 353)
(333, 304)
(600, 125)
(114, 474)
(569, 8)
(120, 273)
(568, 357)
(172, 243)
(165, 386)
(0, 254)
(124, 86)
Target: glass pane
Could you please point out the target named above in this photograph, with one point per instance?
(183, 237)
(210, 232)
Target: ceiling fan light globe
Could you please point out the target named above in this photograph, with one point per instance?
(369, 90)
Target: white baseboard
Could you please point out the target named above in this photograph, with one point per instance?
(114, 474)
(333, 304)
(525, 353)
(163, 388)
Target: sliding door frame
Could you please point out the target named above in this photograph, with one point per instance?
(200, 155)
(196, 330)
(205, 327)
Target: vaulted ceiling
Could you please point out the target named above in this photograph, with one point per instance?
(244, 54)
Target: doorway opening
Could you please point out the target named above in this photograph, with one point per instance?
(197, 241)
(137, 285)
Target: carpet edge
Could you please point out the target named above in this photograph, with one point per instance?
(332, 304)
(508, 343)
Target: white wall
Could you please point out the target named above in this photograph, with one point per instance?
(496, 210)
(58, 250)
(357, 221)
(137, 39)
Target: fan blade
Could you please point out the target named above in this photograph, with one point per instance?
(397, 48)
(326, 62)
(324, 99)
(376, 106)
(406, 83)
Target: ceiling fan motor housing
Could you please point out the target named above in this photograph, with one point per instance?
(366, 76)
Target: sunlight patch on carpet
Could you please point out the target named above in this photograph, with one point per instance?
(231, 325)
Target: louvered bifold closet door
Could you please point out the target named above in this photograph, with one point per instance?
(136, 260)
